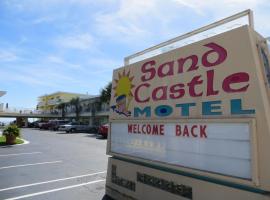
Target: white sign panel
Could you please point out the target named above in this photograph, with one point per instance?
(223, 148)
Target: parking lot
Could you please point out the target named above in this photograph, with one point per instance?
(54, 165)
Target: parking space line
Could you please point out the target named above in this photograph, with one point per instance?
(51, 181)
(18, 154)
(54, 190)
(32, 164)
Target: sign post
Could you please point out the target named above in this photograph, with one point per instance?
(193, 123)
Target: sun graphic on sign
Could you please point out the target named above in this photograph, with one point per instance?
(123, 93)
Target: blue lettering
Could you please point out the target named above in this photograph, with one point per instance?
(185, 108)
(146, 111)
(163, 110)
(236, 108)
(208, 108)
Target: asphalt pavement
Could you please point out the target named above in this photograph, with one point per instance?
(54, 166)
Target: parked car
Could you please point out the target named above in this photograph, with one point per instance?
(41, 124)
(73, 127)
(46, 125)
(103, 130)
(55, 124)
(93, 129)
(33, 124)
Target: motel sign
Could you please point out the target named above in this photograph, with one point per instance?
(193, 122)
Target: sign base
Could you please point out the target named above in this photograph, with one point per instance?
(131, 180)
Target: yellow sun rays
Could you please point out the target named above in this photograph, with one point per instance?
(123, 84)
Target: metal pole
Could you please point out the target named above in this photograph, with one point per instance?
(197, 31)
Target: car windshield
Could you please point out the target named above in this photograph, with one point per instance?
(73, 123)
(63, 122)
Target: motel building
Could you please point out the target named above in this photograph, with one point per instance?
(48, 103)
(92, 111)
(189, 117)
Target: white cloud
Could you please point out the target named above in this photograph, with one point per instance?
(133, 21)
(37, 76)
(44, 19)
(99, 66)
(105, 62)
(76, 41)
(7, 56)
(144, 23)
(43, 4)
(220, 7)
(225, 8)
(62, 62)
(23, 40)
(25, 78)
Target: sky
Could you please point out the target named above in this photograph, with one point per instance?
(74, 45)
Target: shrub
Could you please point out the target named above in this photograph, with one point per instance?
(11, 130)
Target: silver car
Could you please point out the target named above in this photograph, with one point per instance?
(73, 127)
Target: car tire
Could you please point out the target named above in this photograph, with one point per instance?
(73, 130)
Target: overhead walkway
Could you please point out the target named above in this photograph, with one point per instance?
(32, 113)
(27, 113)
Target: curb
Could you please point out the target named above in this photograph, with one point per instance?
(24, 142)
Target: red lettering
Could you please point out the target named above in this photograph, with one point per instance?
(195, 81)
(169, 66)
(139, 129)
(143, 129)
(134, 128)
(161, 127)
(192, 130)
(129, 128)
(148, 129)
(177, 91)
(177, 130)
(240, 77)
(162, 90)
(210, 83)
(151, 70)
(155, 130)
(193, 66)
(216, 49)
(136, 93)
(203, 131)
(185, 132)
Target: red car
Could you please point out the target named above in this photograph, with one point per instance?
(103, 130)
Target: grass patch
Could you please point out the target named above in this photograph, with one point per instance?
(3, 141)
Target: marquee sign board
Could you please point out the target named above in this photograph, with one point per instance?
(222, 148)
(202, 108)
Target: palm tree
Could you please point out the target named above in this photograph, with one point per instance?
(76, 103)
(62, 107)
(105, 94)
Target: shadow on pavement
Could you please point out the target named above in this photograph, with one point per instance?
(5, 146)
(100, 137)
(106, 197)
(91, 135)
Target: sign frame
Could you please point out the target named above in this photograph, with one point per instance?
(254, 181)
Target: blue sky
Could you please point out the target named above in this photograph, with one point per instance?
(73, 45)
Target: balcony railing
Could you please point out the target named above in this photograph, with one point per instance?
(85, 111)
(54, 101)
(27, 111)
